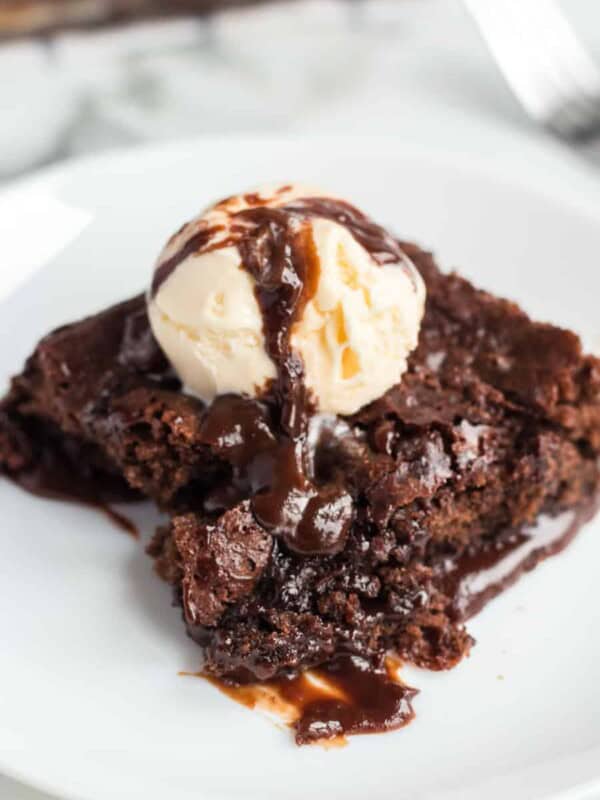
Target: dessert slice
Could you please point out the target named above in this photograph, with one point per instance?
(356, 450)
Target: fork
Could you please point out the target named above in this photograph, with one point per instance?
(548, 68)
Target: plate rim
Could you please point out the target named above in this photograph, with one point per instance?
(460, 160)
(382, 144)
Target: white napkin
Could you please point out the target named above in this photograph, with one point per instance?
(37, 102)
(259, 68)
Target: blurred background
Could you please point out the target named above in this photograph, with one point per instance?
(83, 76)
(78, 76)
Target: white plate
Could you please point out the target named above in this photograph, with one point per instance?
(91, 705)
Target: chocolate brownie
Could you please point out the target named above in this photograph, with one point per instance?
(495, 422)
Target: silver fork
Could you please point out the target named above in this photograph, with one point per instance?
(544, 63)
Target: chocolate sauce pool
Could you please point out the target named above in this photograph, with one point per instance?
(346, 696)
(277, 248)
(55, 479)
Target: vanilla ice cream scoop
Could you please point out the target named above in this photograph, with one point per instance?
(287, 284)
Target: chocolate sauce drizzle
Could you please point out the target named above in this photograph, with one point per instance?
(382, 246)
(277, 248)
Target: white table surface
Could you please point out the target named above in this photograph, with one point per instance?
(422, 75)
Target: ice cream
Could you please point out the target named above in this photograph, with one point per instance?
(208, 322)
(353, 300)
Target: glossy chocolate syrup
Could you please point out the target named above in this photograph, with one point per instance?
(347, 696)
(369, 700)
(277, 248)
(476, 578)
(382, 246)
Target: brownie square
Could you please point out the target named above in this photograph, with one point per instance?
(495, 423)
